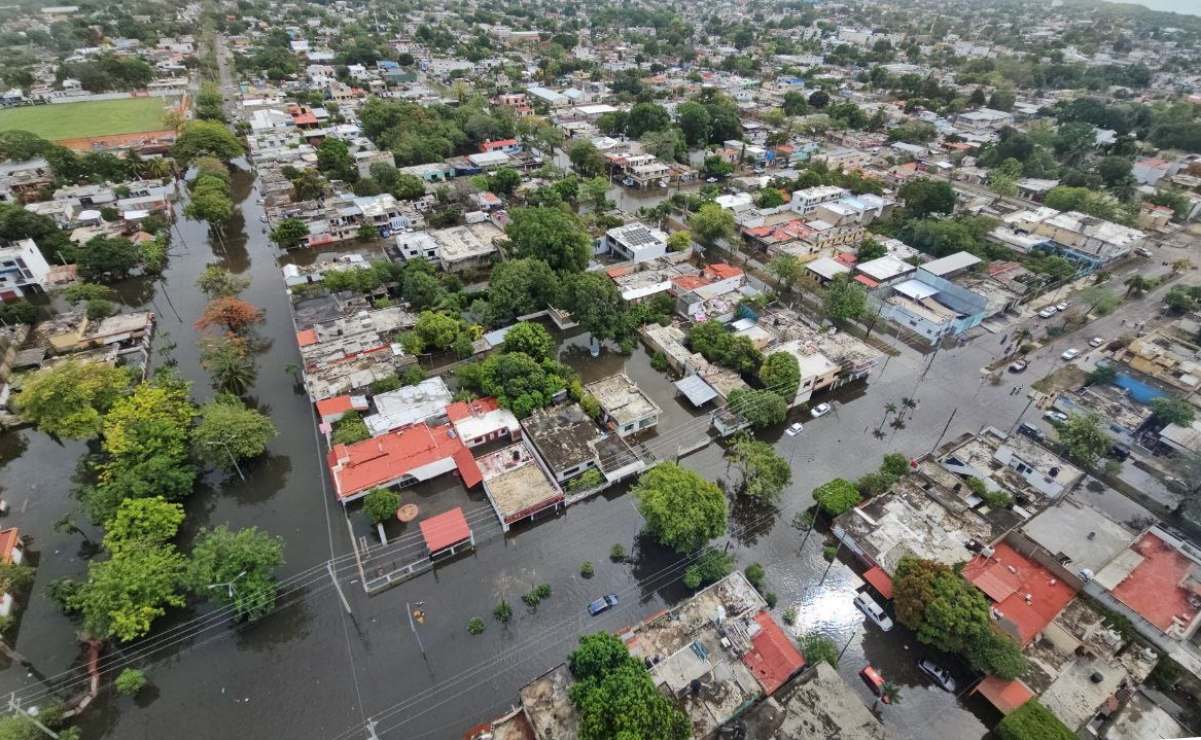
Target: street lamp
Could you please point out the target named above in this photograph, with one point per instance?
(229, 585)
(229, 452)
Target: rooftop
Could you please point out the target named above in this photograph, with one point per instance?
(445, 530)
(515, 482)
(1157, 580)
(884, 268)
(1025, 595)
(409, 405)
(466, 242)
(1079, 536)
(562, 434)
(419, 451)
(818, 705)
(622, 399)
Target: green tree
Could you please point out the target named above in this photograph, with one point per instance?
(646, 117)
(381, 505)
(816, 648)
(711, 224)
(781, 374)
(205, 138)
(925, 197)
(229, 429)
(69, 399)
(694, 121)
(551, 235)
(770, 198)
(408, 187)
(107, 258)
(678, 241)
(762, 408)
(1171, 410)
(764, 473)
(1099, 299)
(130, 681)
(595, 303)
(1033, 721)
(1084, 437)
(597, 654)
(334, 160)
(595, 192)
(682, 510)
(717, 166)
(290, 233)
(586, 158)
(616, 698)
(229, 363)
(667, 144)
(125, 594)
(215, 282)
(519, 287)
(437, 330)
(788, 269)
(531, 338)
(712, 566)
(845, 299)
(836, 496)
(870, 249)
(504, 180)
(518, 382)
(241, 564)
(350, 429)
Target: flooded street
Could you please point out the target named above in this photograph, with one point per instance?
(310, 670)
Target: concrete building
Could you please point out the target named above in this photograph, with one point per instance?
(636, 242)
(625, 408)
(468, 247)
(983, 120)
(806, 200)
(517, 485)
(930, 306)
(817, 705)
(398, 459)
(565, 438)
(413, 404)
(23, 270)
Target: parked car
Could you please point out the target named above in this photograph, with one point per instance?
(819, 410)
(875, 682)
(1142, 251)
(874, 611)
(795, 429)
(1119, 451)
(1018, 366)
(1061, 306)
(604, 603)
(710, 179)
(1030, 431)
(941, 675)
(1070, 354)
(1047, 312)
(1056, 416)
(1096, 342)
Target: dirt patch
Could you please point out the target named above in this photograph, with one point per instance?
(1065, 378)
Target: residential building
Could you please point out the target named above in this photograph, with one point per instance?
(400, 458)
(565, 438)
(806, 200)
(12, 552)
(930, 306)
(983, 120)
(23, 270)
(636, 242)
(625, 409)
(482, 421)
(425, 402)
(517, 485)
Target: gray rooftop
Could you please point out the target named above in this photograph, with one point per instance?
(1076, 531)
(562, 435)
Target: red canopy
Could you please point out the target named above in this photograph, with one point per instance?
(879, 580)
(445, 530)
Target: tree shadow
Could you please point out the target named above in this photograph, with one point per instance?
(658, 570)
(751, 518)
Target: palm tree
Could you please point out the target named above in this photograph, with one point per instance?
(1137, 285)
(889, 408)
(67, 525)
(229, 365)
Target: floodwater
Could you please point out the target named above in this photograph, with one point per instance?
(309, 670)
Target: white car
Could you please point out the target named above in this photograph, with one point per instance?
(874, 611)
(1047, 312)
(795, 429)
(1061, 306)
(819, 410)
(1056, 416)
(1070, 354)
(1096, 342)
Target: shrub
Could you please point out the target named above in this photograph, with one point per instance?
(543, 591)
(817, 647)
(475, 626)
(531, 599)
(770, 598)
(617, 553)
(1033, 721)
(711, 566)
(790, 616)
(836, 496)
(381, 505)
(586, 570)
(503, 612)
(659, 362)
(829, 552)
(130, 681)
(754, 574)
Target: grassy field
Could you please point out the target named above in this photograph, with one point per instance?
(93, 118)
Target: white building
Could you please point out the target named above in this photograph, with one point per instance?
(637, 242)
(806, 201)
(23, 269)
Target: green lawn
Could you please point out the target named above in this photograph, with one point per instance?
(92, 118)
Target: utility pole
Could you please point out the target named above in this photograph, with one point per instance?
(944, 430)
(832, 561)
(15, 706)
(329, 566)
(1024, 410)
(413, 626)
(849, 641)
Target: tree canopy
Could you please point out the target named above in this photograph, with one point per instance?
(229, 430)
(781, 374)
(551, 235)
(69, 399)
(925, 197)
(764, 473)
(682, 510)
(836, 496)
(1084, 437)
(615, 696)
(241, 564)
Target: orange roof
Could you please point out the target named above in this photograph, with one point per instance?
(9, 538)
(772, 658)
(488, 146)
(688, 282)
(723, 271)
(1007, 696)
(1027, 595)
(444, 530)
(468, 468)
(335, 405)
(879, 581)
(463, 409)
(382, 460)
(306, 337)
(1154, 587)
(846, 258)
(865, 280)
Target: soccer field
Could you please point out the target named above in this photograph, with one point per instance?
(92, 118)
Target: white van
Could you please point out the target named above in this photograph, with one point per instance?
(874, 611)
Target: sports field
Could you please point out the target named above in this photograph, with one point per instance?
(92, 118)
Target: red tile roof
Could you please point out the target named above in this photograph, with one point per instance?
(1027, 595)
(488, 146)
(865, 280)
(688, 282)
(468, 468)
(846, 258)
(879, 581)
(304, 119)
(462, 409)
(1007, 696)
(1154, 588)
(9, 538)
(382, 460)
(722, 271)
(335, 405)
(772, 658)
(306, 337)
(444, 530)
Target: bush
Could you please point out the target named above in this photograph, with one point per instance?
(475, 626)
(754, 574)
(836, 496)
(130, 681)
(817, 647)
(770, 598)
(543, 591)
(790, 616)
(586, 570)
(531, 599)
(381, 505)
(617, 553)
(894, 464)
(829, 552)
(350, 429)
(1033, 721)
(659, 362)
(590, 478)
(503, 612)
(711, 566)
